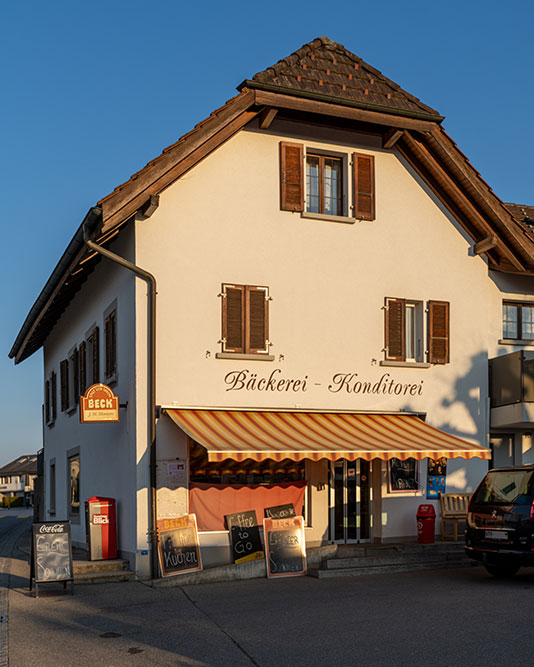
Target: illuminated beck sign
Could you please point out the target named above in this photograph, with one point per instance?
(99, 404)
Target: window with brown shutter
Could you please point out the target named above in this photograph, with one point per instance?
(395, 327)
(291, 176)
(53, 394)
(364, 186)
(64, 384)
(438, 332)
(47, 402)
(82, 359)
(110, 335)
(245, 319)
(93, 358)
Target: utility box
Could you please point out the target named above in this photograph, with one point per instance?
(101, 528)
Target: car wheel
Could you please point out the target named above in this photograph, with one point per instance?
(502, 570)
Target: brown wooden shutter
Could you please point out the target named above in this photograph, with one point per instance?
(47, 401)
(257, 319)
(363, 170)
(233, 318)
(75, 359)
(95, 340)
(438, 332)
(291, 176)
(53, 398)
(395, 329)
(111, 345)
(64, 384)
(82, 360)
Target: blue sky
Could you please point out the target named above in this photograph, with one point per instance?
(92, 91)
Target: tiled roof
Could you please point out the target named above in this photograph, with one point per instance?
(323, 68)
(22, 465)
(524, 215)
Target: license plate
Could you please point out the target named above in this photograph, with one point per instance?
(496, 535)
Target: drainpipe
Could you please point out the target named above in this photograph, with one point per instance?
(151, 282)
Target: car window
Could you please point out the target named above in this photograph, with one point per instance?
(505, 486)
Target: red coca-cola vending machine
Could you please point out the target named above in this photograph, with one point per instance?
(101, 528)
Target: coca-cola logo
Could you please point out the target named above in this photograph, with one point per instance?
(51, 528)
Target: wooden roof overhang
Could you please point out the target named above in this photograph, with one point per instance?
(417, 136)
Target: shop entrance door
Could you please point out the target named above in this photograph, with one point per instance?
(350, 501)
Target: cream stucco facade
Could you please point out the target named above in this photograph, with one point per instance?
(328, 279)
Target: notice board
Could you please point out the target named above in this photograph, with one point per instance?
(178, 546)
(244, 536)
(51, 557)
(285, 547)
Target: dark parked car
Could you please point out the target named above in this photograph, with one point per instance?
(500, 521)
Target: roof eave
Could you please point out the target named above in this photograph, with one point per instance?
(296, 92)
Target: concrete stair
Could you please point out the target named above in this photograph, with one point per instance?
(101, 571)
(358, 560)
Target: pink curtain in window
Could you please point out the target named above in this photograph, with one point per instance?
(211, 502)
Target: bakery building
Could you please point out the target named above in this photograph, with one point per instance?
(296, 302)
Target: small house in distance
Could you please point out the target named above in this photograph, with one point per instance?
(17, 480)
(296, 302)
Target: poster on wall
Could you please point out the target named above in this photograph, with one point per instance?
(436, 477)
(403, 475)
(245, 537)
(178, 546)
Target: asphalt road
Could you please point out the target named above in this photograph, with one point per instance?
(432, 618)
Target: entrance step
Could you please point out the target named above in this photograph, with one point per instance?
(101, 571)
(358, 560)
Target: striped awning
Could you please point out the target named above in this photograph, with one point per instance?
(262, 435)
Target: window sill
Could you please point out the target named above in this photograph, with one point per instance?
(244, 357)
(516, 341)
(328, 218)
(112, 380)
(406, 364)
(72, 410)
(51, 423)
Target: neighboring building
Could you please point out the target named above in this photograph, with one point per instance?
(17, 479)
(331, 274)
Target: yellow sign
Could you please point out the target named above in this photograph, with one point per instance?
(99, 404)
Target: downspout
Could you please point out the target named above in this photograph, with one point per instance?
(151, 281)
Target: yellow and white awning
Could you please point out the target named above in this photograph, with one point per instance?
(261, 435)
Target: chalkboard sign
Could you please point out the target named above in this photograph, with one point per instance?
(280, 511)
(285, 547)
(51, 558)
(244, 536)
(178, 546)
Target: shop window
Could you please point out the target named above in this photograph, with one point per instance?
(403, 475)
(110, 336)
(518, 321)
(73, 472)
(245, 319)
(404, 331)
(324, 187)
(92, 357)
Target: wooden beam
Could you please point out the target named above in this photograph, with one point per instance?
(479, 192)
(451, 195)
(267, 117)
(486, 244)
(391, 137)
(266, 98)
(149, 206)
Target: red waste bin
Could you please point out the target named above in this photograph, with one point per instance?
(426, 522)
(101, 528)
